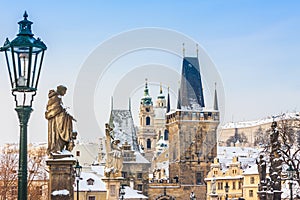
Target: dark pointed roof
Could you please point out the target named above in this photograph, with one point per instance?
(168, 103)
(216, 106)
(190, 95)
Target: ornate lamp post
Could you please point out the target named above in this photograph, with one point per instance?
(78, 169)
(226, 190)
(24, 57)
(291, 173)
(122, 192)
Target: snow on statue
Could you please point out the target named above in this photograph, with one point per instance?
(114, 154)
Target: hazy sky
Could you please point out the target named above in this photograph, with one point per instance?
(254, 45)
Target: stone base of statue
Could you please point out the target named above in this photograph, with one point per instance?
(113, 184)
(61, 176)
(262, 195)
(213, 196)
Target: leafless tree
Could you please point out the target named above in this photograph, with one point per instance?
(8, 173)
(37, 174)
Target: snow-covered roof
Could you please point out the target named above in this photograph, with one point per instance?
(123, 127)
(246, 156)
(139, 158)
(251, 169)
(266, 120)
(98, 169)
(88, 152)
(98, 184)
(133, 194)
(241, 152)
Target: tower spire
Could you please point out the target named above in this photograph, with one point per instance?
(191, 93)
(183, 50)
(129, 104)
(197, 49)
(168, 103)
(146, 90)
(216, 106)
(179, 97)
(160, 89)
(146, 100)
(112, 102)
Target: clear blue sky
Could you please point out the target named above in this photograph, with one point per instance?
(255, 46)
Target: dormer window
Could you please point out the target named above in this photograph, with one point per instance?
(90, 181)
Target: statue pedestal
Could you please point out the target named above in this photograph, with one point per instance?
(112, 187)
(262, 195)
(213, 196)
(61, 177)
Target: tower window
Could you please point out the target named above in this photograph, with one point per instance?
(147, 121)
(199, 178)
(139, 175)
(148, 144)
(147, 110)
(166, 135)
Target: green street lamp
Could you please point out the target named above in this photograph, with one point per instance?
(291, 173)
(24, 57)
(78, 170)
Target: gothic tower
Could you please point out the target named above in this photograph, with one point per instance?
(147, 136)
(192, 132)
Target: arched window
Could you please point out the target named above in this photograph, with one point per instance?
(147, 121)
(166, 135)
(148, 144)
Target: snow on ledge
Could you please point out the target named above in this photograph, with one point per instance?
(60, 193)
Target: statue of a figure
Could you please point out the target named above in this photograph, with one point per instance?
(60, 127)
(213, 185)
(114, 156)
(261, 165)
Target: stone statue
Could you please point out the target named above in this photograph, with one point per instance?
(60, 128)
(213, 185)
(114, 154)
(261, 165)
